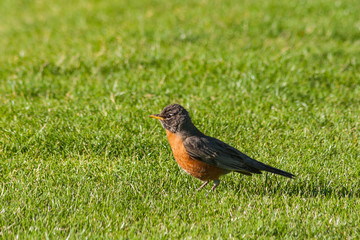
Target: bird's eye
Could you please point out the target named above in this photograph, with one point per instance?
(170, 115)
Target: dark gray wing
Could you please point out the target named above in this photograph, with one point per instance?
(220, 154)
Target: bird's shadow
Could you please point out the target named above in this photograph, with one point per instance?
(305, 189)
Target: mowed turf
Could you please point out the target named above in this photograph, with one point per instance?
(277, 79)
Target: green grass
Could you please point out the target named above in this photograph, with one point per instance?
(79, 157)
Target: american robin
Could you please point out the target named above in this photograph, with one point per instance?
(204, 157)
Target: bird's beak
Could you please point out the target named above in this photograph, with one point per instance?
(156, 116)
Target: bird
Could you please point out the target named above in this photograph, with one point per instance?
(203, 157)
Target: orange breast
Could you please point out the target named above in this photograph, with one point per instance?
(196, 168)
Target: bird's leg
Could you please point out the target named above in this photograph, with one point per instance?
(205, 183)
(216, 183)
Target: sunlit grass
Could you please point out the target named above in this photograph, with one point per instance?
(79, 156)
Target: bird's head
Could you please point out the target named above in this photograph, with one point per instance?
(174, 118)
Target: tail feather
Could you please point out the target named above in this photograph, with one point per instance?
(263, 167)
(268, 168)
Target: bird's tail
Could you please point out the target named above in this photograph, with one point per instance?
(253, 166)
(268, 168)
(263, 167)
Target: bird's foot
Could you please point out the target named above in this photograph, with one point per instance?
(216, 183)
(205, 183)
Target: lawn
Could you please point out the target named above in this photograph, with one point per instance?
(80, 158)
